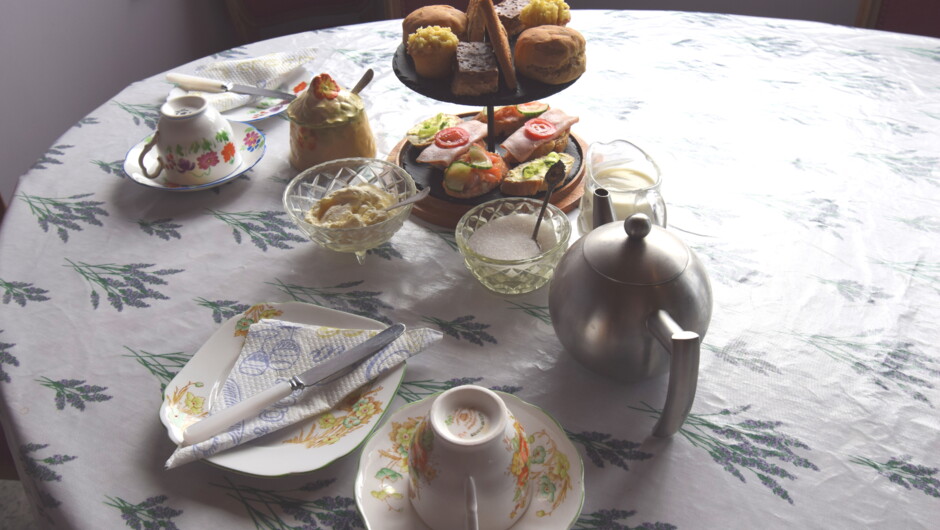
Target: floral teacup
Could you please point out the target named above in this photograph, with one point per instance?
(469, 461)
(194, 143)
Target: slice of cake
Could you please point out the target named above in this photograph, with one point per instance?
(477, 72)
(508, 11)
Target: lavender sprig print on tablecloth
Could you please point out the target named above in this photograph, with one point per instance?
(87, 120)
(40, 470)
(223, 309)
(163, 366)
(124, 285)
(908, 165)
(264, 228)
(536, 311)
(363, 303)
(886, 365)
(463, 328)
(738, 352)
(21, 292)
(610, 520)
(162, 228)
(64, 213)
(924, 223)
(601, 447)
(74, 392)
(747, 444)
(901, 471)
(112, 168)
(854, 291)
(6, 359)
(450, 238)
(145, 113)
(412, 391)
(147, 514)
(49, 157)
(385, 251)
(272, 508)
(921, 270)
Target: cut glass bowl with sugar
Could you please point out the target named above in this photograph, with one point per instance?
(315, 183)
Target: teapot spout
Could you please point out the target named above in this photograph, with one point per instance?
(684, 349)
(603, 208)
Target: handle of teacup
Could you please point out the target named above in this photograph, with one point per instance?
(684, 347)
(470, 490)
(143, 153)
(654, 203)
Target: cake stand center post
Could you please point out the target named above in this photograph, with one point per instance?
(490, 126)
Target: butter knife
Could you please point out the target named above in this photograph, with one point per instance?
(225, 418)
(191, 82)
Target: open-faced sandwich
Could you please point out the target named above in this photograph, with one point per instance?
(529, 178)
(474, 173)
(539, 136)
(452, 142)
(506, 120)
(422, 134)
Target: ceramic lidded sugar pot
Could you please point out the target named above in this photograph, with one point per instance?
(630, 300)
(328, 122)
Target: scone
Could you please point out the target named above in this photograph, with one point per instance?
(550, 54)
(433, 50)
(437, 15)
(477, 72)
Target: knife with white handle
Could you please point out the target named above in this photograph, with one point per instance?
(225, 418)
(191, 82)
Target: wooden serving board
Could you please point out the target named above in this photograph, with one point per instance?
(440, 209)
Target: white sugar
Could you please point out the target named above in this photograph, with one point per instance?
(510, 237)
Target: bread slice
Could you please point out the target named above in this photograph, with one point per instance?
(529, 178)
(476, 70)
(558, 145)
(475, 22)
(496, 34)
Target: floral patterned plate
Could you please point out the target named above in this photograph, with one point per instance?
(556, 471)
(306, 446)
(251, 143)
(262, 107)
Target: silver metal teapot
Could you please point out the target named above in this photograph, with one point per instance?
(630, 300)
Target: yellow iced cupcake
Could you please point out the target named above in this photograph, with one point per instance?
(544, 13)
(433, 49)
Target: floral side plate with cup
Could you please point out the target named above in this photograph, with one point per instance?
(193, 148)
(305, 446)
(399, 448)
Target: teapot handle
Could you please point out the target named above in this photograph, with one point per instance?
(684, 348)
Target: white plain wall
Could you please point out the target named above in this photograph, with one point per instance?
(61, 59)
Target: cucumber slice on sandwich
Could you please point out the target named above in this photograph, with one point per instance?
(532, 109)
(479, 159)
(456, 175)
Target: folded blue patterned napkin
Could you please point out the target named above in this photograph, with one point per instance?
(275, 351)
(265, 71)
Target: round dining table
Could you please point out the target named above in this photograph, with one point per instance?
(800, 162)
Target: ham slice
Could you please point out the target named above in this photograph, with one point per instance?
(441, 157)
(521, 146)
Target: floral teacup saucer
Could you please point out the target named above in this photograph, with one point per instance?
(248, 140)
(556, 471)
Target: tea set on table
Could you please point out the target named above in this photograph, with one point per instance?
(628, 300)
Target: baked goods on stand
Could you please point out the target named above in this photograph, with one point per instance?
(506, 148)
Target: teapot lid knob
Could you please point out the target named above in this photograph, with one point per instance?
(638, 225)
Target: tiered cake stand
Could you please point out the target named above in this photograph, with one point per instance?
(438, 207)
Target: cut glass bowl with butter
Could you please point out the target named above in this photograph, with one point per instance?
(311, 186)
(495, 239)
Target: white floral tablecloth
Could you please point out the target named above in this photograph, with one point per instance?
(801, 162)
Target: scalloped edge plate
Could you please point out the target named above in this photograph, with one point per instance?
(270, 455)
